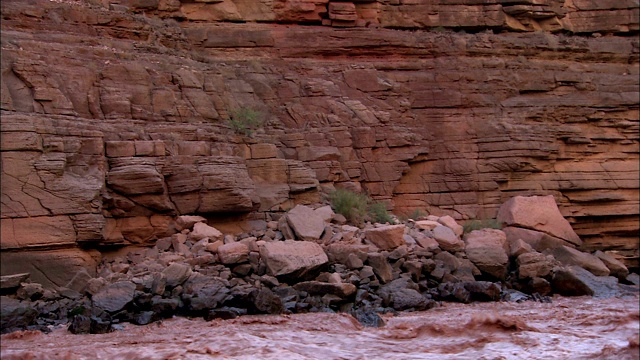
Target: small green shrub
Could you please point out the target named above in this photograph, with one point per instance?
(357, 208)
(471, 225)
(417, 214)
(377, 212)
(414, 215)
(351, 205)
(245, 121)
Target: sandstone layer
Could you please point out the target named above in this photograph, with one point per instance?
(115, 117)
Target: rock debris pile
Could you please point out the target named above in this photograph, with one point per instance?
(311, 260)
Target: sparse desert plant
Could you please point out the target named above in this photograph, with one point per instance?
(414, 215)
(357, 208)
(351, 205)
(245, 120)
(471, 225)
(377, 212)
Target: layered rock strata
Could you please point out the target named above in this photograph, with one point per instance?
(115, 116)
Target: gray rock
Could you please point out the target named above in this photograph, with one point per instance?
(176, 273)
(381, 267)
(115, 296)
(615, 266)
(405, 299)
(571, 256)
(12, 281)
(266, 301)
(342, 290)
(576, 281)
(15, 313)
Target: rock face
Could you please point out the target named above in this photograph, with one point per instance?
(117, 119)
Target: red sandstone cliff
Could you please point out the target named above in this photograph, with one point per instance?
(115, 116)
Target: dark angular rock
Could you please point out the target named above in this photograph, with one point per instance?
(368, 318)
(342, 290)
(224, 313)
(115, 296)
(576, 281)
(265, 301)
(164, 307)
(15, 313)
(100, 326)
(204, 292)
(381, 267)
(80, 324)
(405, 299)
(143, 318)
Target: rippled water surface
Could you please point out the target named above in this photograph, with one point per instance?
(568, 328)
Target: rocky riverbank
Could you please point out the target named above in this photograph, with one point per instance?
(311, 260)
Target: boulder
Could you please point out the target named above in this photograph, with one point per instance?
(307, 224)
(386, 237)
(469, 291)
(202, 230)
(15, 313)
(294, 258)
(233, 253)
(12, 281)
(204, 292)
(426, 224)
(266, 301)
(451, 223)
(340, 252)
(381, 267)
(539, 213)
(537, 240)
(187, 221)
(176, 273)
(447, 239)
(570, 256)
(368, 318)
(535, 264)
(616, 268)
(342, 290)
(487, 249)
(576, 281)
(115, 297)
(427, 242)
(518, 247)
(405, 299)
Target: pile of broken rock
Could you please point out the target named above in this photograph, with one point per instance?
(310, 260)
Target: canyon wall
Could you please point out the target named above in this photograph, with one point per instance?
(116, 115)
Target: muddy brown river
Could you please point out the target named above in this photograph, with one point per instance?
(567, 328)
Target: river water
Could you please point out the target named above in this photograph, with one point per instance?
(567, 328)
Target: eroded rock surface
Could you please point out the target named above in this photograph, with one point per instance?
(116, 117)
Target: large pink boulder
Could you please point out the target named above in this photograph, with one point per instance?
(487, 250)
(386, 237)
(538, 213)
(291, 257)
(306, 222)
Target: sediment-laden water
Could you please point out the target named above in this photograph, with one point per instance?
(567, 328)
